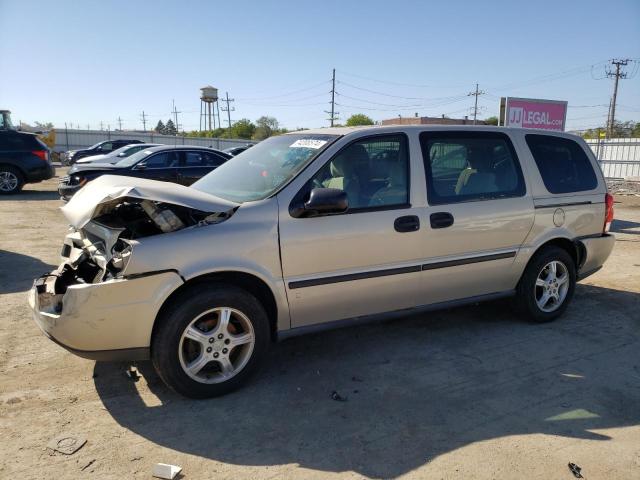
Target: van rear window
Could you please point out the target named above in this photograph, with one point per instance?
(563, 164)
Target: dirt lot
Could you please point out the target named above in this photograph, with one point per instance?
(466, 393)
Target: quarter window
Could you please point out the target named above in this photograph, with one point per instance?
(374, 172)
(470, 166)
(563, 164)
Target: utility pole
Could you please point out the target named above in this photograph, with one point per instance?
(101, 125)
(617, 76)
(333, 113)
(144, 121)
(175, 116)
(475, 107)
(228, 109)
(119, 123)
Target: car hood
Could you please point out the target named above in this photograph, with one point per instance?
(90, 159)
(91, 167)
(110, 189)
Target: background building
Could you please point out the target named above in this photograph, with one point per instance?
(430, 121)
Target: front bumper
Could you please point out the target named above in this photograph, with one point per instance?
(597, 250)
(66, 190)
(110, 320)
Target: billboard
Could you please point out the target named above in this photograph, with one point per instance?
(533, 113)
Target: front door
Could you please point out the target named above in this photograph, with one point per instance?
(478, 214)
(363, 261)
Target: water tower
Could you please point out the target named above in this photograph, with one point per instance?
(208, 105)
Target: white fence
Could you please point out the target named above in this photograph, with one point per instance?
(76, 139)
(618, 157)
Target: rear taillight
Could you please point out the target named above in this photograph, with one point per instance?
(608, 212)
(43, 154)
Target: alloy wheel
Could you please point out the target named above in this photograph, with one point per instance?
(8, 181)
(552, 286)
(216, 345)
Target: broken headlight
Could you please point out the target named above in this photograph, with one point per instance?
(120, 255)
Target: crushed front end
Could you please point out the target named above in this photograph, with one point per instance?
(89, 304)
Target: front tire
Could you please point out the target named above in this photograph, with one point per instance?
(210, 340)
(11, 180)
(547, 285)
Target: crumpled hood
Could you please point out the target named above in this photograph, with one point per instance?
(107, 188)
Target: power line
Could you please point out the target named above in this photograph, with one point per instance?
(398, 83)
(324, 82)
(228, 109)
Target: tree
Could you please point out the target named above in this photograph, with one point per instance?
(265, 127)
(243, 128)
(170, 128)
(491, 121)
(358, 119)
(160, 128)
(44, 125)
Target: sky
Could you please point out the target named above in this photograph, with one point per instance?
(86, 62)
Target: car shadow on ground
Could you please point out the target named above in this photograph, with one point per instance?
(415, 388)
(31, 195)
(17, 271)
(625, 226)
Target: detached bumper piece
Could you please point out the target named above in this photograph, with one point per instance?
(110, 320)
(597, 251)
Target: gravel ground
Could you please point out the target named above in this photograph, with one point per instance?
(472, 392)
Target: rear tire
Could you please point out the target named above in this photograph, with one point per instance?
(11, 180)
(210, 340)
(547, 285)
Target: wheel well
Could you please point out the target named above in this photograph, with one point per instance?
(15, 167)
(574, 248)
(246, 281)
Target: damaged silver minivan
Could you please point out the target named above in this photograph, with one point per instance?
(316, 229)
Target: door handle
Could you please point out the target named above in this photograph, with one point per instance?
(408, 223)
(441, 220)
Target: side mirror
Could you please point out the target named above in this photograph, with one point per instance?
(140, 166)
(322, 201)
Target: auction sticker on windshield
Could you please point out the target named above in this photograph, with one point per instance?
(308, 143)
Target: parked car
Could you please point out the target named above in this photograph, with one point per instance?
(24, 158)
(184, 165)
(233, 151)
(107, 146)
(313, 229)
(116, 155)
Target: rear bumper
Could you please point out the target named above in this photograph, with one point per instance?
(109, 320)
(45, 172)
(597, 251)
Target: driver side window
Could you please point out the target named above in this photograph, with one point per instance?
(374, 172)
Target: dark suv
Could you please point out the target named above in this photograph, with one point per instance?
(99, 148)
(23, 159)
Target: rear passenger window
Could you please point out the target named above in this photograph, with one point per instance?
(202, 159)
(469, 166)
(563, 164)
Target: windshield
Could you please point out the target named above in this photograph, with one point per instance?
(261, 170)
(133, 159)
(95, 146)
